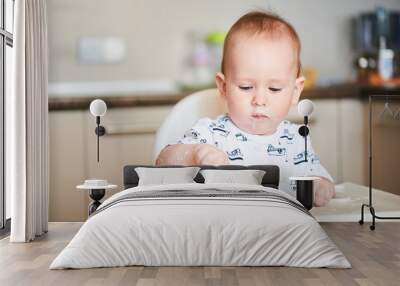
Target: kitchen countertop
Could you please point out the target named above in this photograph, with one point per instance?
(347, 90)
(346, 206)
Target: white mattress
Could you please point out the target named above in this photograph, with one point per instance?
(200, 231)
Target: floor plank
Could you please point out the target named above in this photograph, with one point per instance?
(374, 255)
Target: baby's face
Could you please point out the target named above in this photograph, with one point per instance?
(260, 82)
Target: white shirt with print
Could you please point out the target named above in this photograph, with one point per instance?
(284, 148)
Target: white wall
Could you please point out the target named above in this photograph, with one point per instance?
(154, 32)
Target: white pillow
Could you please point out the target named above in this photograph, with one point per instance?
(248, 177)
(163, 176)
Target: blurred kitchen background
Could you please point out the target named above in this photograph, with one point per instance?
(142, 57)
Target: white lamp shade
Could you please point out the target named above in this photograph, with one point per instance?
(305, 107)
(98, 107)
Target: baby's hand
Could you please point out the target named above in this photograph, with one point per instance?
(324, 190)
(206, 154)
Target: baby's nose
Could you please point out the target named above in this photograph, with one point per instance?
(259, 99)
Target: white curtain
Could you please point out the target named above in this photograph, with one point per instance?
(27, 141)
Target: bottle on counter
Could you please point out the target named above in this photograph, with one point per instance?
(385, 60)
(196, 72)
(215, 42)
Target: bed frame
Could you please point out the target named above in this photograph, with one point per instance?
(270, 179)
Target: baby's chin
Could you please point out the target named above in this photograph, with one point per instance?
(256, 127)
(263, 131)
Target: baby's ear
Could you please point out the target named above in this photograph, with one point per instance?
(221, 85)
(298, 88)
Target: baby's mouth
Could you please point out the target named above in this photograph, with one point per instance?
(259, 116)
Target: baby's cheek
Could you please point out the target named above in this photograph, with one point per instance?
(239, 103)
(239, 118)
(280, 111)
(239, 112)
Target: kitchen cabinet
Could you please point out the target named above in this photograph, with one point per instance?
(385, 145)
(67, 165)
(353, 142)
(129, 139)
(130, 133)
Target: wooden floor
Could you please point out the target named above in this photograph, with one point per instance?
(374, 255)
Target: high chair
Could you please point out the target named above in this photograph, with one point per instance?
(205, 103)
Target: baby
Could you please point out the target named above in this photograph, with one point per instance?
(260, 80)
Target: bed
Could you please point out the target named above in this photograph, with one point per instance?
(201, 224)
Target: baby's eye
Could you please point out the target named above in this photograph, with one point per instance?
(245, 87)
(275, 89)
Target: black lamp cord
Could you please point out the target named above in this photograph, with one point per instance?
(303, 131)
(98, 136)
(305, 138)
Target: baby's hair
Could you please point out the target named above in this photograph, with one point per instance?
(261, 22)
